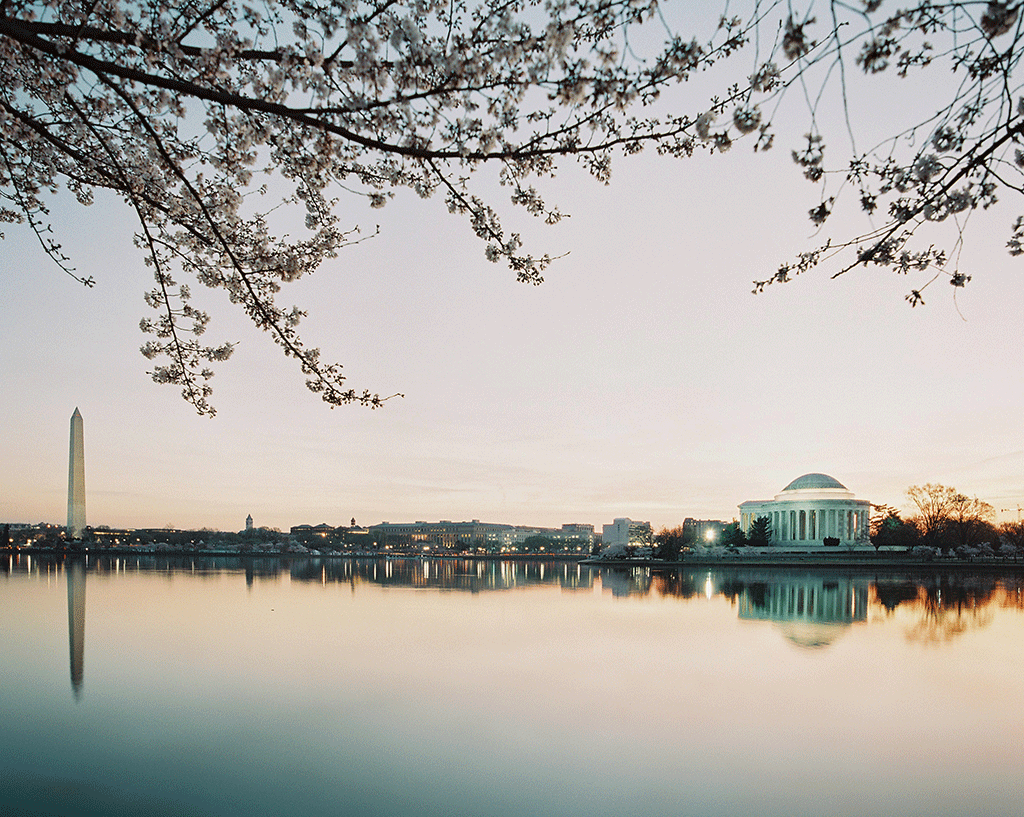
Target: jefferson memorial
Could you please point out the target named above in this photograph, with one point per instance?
(809, 510)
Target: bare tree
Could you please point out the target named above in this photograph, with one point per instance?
(948, 518)
(671, 542)
(180, 109)
(888, 529)
(1011, 534)
(970, 521)
(934, 505)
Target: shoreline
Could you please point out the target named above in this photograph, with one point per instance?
(860, 560)
(811, 561)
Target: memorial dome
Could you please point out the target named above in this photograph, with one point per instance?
(814, 510)
(811, 635)
(814, 482)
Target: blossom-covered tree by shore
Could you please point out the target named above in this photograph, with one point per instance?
(184, 110)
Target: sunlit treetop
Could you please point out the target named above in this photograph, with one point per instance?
(185, 110)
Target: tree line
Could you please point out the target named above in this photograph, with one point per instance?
(947, 521)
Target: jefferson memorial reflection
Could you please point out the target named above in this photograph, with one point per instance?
(810, 610)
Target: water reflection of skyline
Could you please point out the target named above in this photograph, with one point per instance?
(474, 576)
(322, 679)
(810, 608)
(758, 591)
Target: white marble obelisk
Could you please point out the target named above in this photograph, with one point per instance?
(76, 479)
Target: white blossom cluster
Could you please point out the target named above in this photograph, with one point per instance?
(942, 169)
(183, 109)
(368, 95)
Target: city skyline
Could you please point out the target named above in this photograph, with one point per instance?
(641, 379)
(76, 505)
(652, 444)
(447, 365)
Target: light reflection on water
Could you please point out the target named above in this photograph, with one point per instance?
(342, 686)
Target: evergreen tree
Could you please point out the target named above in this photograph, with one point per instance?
(733, 535)
(760, 532)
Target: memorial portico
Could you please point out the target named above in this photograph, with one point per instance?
(809, 510)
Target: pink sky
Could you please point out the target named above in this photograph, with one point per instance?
(642, 379)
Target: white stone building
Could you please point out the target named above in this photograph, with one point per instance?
(809, 510)
(625, 531)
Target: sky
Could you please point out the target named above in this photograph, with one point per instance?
(642, 379)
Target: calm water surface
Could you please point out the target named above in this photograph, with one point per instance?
(149, 686)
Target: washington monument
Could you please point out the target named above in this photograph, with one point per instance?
(76, 479)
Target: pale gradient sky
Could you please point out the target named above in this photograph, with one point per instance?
(642, 379)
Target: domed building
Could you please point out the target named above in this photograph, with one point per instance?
(809, 510)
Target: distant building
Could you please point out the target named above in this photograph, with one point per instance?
(578, 532)
(27, 535)
(703, 530)
(809, 510)
(444, 534)
(321, 530)
(112, 536)
(491, 536)
(248, 522)
(624, 531)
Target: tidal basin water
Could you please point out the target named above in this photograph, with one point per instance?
(158, 686)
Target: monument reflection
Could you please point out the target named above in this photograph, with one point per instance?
(76, 626)
(811, 608)
(404, 688)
